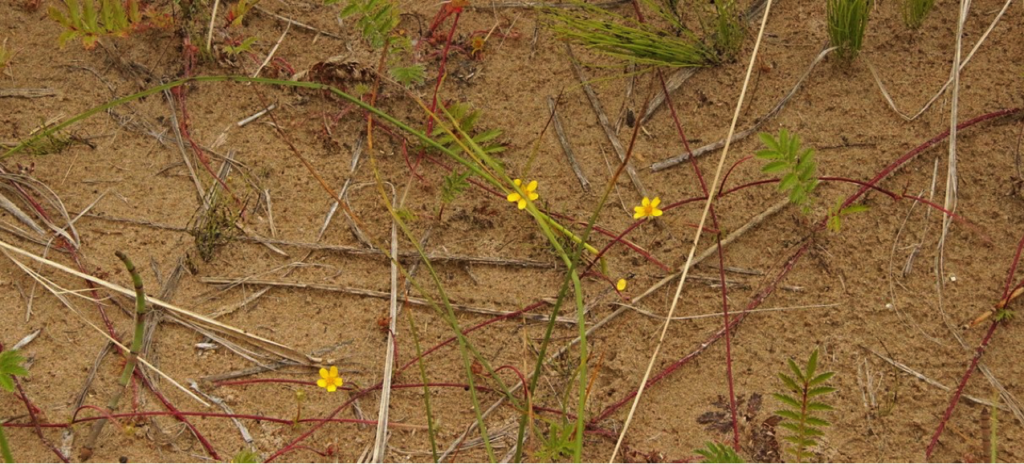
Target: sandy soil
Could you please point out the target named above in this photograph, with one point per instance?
(850, 295)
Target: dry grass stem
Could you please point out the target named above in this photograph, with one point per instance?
(27, 93)
(563, 139)
(942, 90)
(369, 293)
(712, 192)
(609, 131)
(669, 162)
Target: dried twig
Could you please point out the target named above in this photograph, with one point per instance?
(605, 124)
(27, 93)
(367, 293)
(566, 146)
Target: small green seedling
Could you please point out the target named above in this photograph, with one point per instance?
(377, 18)
(914, 12)
(799, 406)
(451, 187)
(246, 456)
(715, 452)
(10, 365)
(237, 12)
(243, 47)
(798, 168)
(465, 118)
(558, 443)
(836, 213)
(847, 20)
(91, 22)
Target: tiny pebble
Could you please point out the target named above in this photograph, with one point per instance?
(952, 278)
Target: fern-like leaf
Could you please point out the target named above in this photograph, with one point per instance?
(797, 405)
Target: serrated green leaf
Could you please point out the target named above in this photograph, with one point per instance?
(788, 181)
(769, 141)
(788, 400)
(812, 365)
(799, 375)
(775, 166)
(790, 383)
(767, 154)
(352, 8)
(813, 406)
(817, 422)
(787, 414)
(821, 378)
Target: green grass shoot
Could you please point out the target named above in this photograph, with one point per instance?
(729, 33)
(847, 20)
(915, 11)
(625, 38)
(799, 407)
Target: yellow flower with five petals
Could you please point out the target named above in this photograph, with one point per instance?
(329, 379)
(647, 209)
(530, 190)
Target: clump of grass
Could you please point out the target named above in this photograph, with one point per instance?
(799, 406)
(214, 229)
(914, 12)
(729, 33)
(603, 32)
(847, 20)
(798, 168)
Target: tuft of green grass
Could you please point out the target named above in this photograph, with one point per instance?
(914, 12)
(214, 229)
(245, 456)
(605, 33)
(798, 168)
(799, 406)
(847, 20)
(729, 33)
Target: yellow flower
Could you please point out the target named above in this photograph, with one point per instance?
(329, 379)
(648, 208)
(530, 191)
(620, 285)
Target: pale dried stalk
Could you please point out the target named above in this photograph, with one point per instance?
(712, 191)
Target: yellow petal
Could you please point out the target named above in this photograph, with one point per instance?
(534, 196)
(322, 383)
(522, 203)
(323, 373)
(338, 382)
(518, 182)
(532, 186)
(646, 202)
(331, 388)
(655, 202)
(620, 285)
(639, 212)
(513, 197)
(656, 213)
(334, 371)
